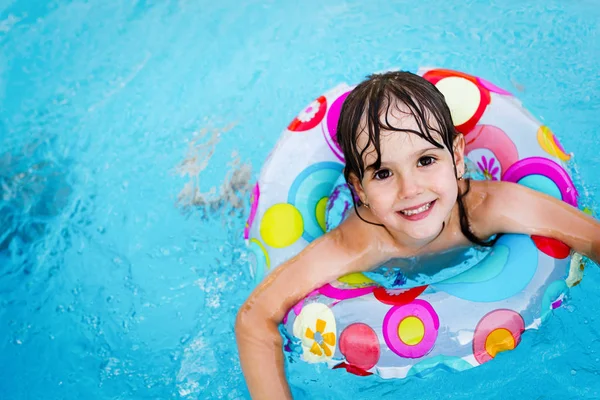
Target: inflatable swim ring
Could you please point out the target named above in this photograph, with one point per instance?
(407, 327)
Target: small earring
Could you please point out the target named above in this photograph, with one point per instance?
(366, 205)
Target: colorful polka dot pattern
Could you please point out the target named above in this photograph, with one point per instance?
(281, 225)
(492, 150)
(259, 259)
(466, 97)
(413, 330)
(310, 117)
(307, 192)
(550, 144)
(360, 345)
(330, 133)
(498, 331)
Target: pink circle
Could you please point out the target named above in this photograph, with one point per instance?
(253, 207)
(360, 345)
(510, 320)
(344, 294)
(333, 116)
(421, 310)
(492, 88)
(496, 140)
(549, 169)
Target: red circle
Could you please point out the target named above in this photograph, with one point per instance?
(360, 345)
(397, 297)
(436, 75)
(299, 126)
(552, 247)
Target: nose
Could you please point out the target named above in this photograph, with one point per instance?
(409, 186)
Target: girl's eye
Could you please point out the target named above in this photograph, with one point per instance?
(425, 161)
(382, 174)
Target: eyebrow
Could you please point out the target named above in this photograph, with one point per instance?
(416, 153)
(425, 150)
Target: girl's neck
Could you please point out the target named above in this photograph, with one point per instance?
(449, 236)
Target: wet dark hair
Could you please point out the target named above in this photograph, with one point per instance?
(372, 101)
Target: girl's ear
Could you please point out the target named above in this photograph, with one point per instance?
(458, 148)
(357, 186)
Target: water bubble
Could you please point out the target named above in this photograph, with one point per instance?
(184, 339)
(573, 372)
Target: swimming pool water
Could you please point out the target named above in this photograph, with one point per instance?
(130, 132)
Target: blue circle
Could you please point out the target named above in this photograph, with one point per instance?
(310, 186)
(258, 261)
(489, 281)
(552, 293)
(338, 206)
(542, 184)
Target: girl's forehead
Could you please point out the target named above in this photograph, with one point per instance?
(394, 144)
(404, 130)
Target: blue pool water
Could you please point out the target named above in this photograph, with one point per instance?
(130, 132)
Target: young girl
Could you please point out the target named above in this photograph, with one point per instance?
(405, 160)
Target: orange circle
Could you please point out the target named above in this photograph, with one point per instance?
(499, 340)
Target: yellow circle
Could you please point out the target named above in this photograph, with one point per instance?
(260, 245)
(356, 279)
(281, 225)
(320, 212)
(499, 340)
(546, 140)
(462, 96)
(411, 331)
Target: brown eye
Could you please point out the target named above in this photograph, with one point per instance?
(426, 161)
(382, 174)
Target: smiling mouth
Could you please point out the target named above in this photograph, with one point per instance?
(410, 212)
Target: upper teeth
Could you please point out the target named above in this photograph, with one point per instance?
(417, 210)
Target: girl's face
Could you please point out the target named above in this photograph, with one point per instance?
(414, 191)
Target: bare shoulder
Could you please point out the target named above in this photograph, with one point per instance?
(483, 202)
(358, 236)
(499, 195)
(506, 207)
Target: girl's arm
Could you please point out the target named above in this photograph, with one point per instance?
(324, 260)
(514, 208)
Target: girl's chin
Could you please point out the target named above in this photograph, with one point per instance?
(424, 234)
